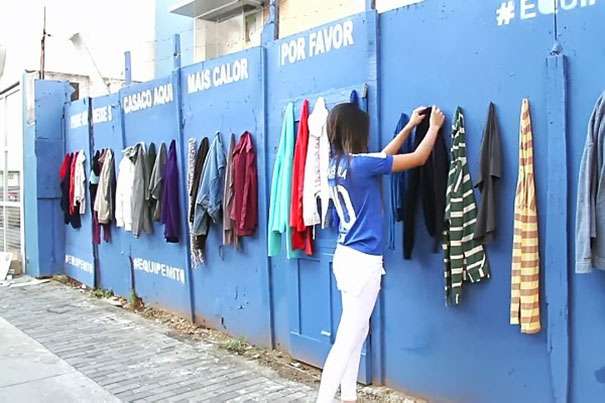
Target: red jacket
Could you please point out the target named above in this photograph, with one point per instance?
(72, 208)
(302, 237)
(244, 211)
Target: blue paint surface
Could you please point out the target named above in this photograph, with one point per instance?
(42, 155)
(157, 124)
(113, 262)
(230, 290)
(447, 53)
(78, 241)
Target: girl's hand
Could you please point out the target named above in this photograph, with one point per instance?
(416, 117)
(437, 118)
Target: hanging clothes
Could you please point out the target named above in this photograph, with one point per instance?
(302, 235)
(490, 173)
(210, 196)
(141, 219)
(360, 101)
(196, 255)
(65, 179)
(398, 184)
(590, 220)
(428, 182)
(525, 278)
(229, 234)
(279, 205)
(171, 210)
(124, 189)
(104, 204)
(245, 182)
(156, 182)
(93, 184)
(150, 158)
(316, 167)
(199, 237)
(464, 257)
(72, 171)
(79, 196)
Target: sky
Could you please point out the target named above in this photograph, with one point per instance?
(108, 28)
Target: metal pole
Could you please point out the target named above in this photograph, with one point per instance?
(127, 68)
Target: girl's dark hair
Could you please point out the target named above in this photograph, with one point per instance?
(348, 130)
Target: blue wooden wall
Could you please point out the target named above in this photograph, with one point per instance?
(448, 53)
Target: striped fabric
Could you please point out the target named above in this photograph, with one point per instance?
(525, 279)
(464, 257)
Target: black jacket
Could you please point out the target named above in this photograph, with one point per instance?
(428, 182)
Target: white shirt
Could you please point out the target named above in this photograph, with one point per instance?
(79, 182)
(124, 190)
(316, 167)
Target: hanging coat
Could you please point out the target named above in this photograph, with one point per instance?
(590, 220)
(65, 177)
(150, 158)
(302, 235)
(93, 185)
(196, 255)
(525, 277)
(105, 201)
(429, 183)
(398, 184)
(490, 173)
(123, 212)
(316, 167)
(210, 194)
(229, 234)
(141, 219)
(171, 210)
(281, 192)
(199, 234)
(156, 182)
(245, 182)
(464, 257)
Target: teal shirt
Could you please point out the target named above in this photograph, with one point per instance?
(281, 186)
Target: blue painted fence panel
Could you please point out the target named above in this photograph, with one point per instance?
(231, 289)
(79, 255)
(43, 149)
(113, 259)
(305, 323)
(150, 115)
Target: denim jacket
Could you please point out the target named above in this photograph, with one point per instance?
(590, 213)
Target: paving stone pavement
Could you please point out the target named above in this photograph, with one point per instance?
(134, 358)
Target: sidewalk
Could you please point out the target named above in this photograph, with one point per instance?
(59, 345)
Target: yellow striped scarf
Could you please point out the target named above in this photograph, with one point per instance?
(525, 280)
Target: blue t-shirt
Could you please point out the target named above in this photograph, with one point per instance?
(357, 196)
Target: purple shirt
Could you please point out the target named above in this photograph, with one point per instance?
(171, 211)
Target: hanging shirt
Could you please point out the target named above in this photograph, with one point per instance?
(355, 184)
(590, 219)
(124, 189)
(398, 183)
(171, 210)
(196, 255)
(281, 191)
(210, 195)
(429, 183)
(72, 172)
(316, 167)
(464, 257)
(65, 179)
(150, 158)
(199, 234)
(156, 182)
(229, 233)
(104, 202)
(141, 219)
(525, 277)
(245, 182)
(302, 236)
(490, 173)
(79, 196)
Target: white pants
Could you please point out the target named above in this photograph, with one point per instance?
(358, 278)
